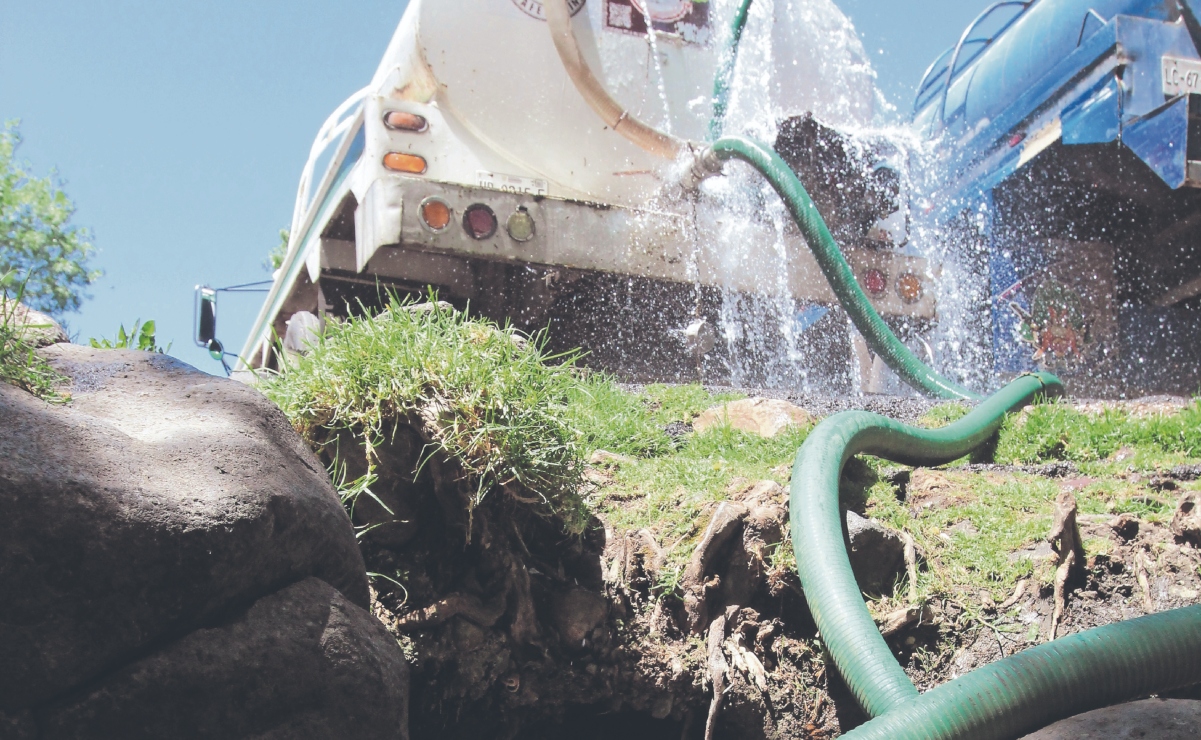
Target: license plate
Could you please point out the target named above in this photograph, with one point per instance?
(510, 183)
(1181, 76)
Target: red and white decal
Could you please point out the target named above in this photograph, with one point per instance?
(534, 9)
(687, 19)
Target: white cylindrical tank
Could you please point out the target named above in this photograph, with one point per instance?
(491, 69)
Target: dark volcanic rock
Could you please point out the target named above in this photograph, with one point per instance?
(1161, 719)
(1186, 522)
(301, 663)
(576, 613)
(877, 554)
(159, 499)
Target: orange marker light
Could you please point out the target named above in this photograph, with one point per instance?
(435, 213)
(399, 162)
(398, 120)
(909, 287)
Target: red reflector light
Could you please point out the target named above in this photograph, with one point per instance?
(875, 282)
(479, 221)
(1016, 139)
(398, 162)
(398, 120)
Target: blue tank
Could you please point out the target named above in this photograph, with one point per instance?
(1069, 139)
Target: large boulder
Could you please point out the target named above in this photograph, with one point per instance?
(155, 502)
(301, 663)
(1160, 719)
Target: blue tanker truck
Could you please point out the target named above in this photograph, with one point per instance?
(1068, 143)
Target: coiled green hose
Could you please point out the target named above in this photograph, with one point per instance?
(1020, 694)
(863, 658)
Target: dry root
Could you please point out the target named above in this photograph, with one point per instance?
(1065, 540)
(1144, 583)
(455, 605)
(1018, 592)
(910, 564)
(894, 622)
(726, 522)
(718, 671)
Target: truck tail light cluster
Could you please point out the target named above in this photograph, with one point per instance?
(908, 285)
(479, 220)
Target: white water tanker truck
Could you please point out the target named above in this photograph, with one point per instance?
(481, 161)
(544, 163)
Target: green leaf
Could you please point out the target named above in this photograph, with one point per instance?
(146, 337)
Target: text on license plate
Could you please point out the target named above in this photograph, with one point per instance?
(1181, 76)
(510, 183)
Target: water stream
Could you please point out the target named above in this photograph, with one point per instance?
(816, 63)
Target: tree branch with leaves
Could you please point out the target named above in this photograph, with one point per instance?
(38, 244)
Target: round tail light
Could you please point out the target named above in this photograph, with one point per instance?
(479, 221)
(909, 287)
(435, 213)
(520, 225)
(875, 282)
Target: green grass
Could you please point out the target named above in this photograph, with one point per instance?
(634, 424)
(943, 414)
(673, 493)
(1012, 511)
(514, 416)
(1056, 431)
(499, 404)
(1006, 513)
(20, 364)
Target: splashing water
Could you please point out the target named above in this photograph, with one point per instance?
(807, 57)
(660, 80)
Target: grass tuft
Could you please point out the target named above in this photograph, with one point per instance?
(1056, 431)
(20, 364)
(498, 404)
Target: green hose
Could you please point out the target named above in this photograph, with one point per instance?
(725, 70)
(838, 273)
(1039, 686)
(1006, 699)
(852, 638)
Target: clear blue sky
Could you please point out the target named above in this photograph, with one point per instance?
(180, 128)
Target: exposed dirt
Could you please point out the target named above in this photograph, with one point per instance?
(516, 630)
